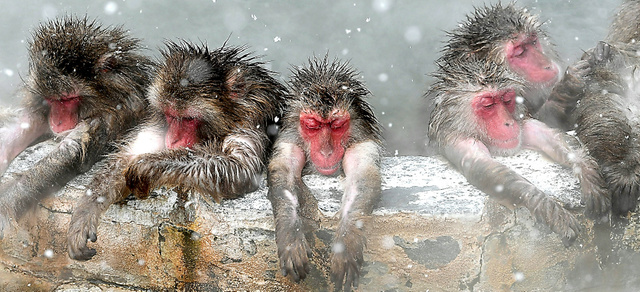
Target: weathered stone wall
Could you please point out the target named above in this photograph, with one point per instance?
(431, 231)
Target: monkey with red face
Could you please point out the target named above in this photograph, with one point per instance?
(513, 38)
(328, 129)
(206, 132)
(85, 88)
(477, 115)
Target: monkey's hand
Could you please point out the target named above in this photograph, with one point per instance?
(293, 250)
(594, 195)
(602, 53)
(83, 227)
(346, 258)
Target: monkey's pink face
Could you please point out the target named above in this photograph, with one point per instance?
(182, 132)
(494, 112)
(325, 138)
(63, 112)
(526, 57)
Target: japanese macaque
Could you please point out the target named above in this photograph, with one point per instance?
(328, 129)
(609, 112)
(514, 38)
(207, 133)
(478, 114)
(85, 87)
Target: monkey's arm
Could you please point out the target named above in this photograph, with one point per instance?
(558, 110)
(290, 198)
(361, 165)
(16, 133)
(473, 159)
(567, 151)
(222, 172)
(74, 154)
(107, 187)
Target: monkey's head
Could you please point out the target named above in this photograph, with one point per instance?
(329, 111)
(204, 95)
(506, 35)
(478, 100)
(77, 68)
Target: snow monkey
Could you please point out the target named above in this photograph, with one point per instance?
(477, 115)
(85, 88)
(607, 115)
(206, 132)
(328, 129)
(512, 37)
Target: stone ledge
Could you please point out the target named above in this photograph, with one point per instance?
(431, 231)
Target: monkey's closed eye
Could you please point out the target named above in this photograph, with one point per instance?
(312, 124)
(338, 124)
(518, 51)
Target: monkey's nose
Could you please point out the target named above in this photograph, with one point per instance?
(326, 152)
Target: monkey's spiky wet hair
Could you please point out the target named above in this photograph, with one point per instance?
(487, 28)
(77, 55)
(227, 88)
(323, 86)
(80, 46)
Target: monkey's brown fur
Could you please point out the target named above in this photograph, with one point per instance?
(484, 34)
(233, 97)
(322, 88)
(101, 65)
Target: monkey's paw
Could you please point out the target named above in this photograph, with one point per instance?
(294, 254)
(595, 197)
(346, 260)
(601, 54)
(82, 227)
(560, 220)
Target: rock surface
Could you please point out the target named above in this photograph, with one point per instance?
(430, 231)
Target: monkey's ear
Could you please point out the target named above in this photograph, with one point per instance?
(235, 82)
(107, 63)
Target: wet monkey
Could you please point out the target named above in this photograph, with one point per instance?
(607, 115)
(512, 37)
(206, 133)
(328, 129)
(477, 116)
(85, 87)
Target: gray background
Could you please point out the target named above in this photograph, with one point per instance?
(393, 43)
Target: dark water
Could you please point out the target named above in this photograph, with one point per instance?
(393, 43)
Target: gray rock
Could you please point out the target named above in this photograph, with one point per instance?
(430, 231)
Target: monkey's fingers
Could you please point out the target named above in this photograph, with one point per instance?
(624, 193)
(345, 265)
(295, 261)
(77, 246)
(602, 52)
(597, 206)
(560, 220)
(594, 195)
(82, 228)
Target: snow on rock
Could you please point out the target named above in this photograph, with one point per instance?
(430, 230)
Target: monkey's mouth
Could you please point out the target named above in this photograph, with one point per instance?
(328, 170)
(507, 144)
